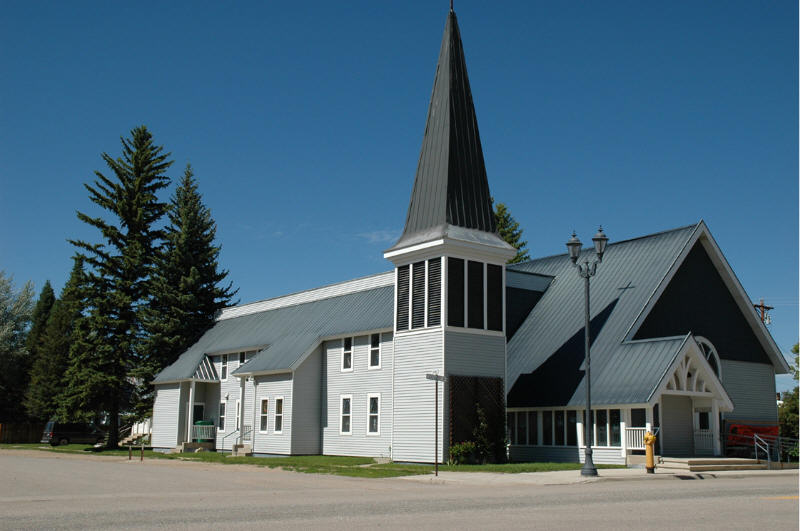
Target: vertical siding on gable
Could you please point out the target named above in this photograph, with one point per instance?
(360, 382)
(165, 416)
(307, 393)
(417, 354)
(751, 386)
(272, 386)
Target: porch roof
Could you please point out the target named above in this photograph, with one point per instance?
(290, 331)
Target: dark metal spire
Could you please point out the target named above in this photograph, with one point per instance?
(450, 187)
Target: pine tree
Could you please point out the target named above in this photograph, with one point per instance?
(186, 294)
(106, 338)
(41, 313)
(51, 363)
(510, 231)
(15, 315)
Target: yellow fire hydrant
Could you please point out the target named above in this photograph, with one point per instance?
(649, 443)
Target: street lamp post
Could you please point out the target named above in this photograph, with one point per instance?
(587, 270)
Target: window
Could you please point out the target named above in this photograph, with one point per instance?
(533, 427)
(601, 428)
(223, 373)
(347, 354)
(614, 427)
(241, 358)
(511, 425)
(418, 295)
(522, 428)
(572, 428)
(278, 415)
(559, 429)
(455, 291)
(344, 414)
(375, 351)
(547, 428)
(475, 294)
(221, 421)
(264, 417)
(607, 430)
(374, 409)
(703, 421)
(494, 297)
(238, 414)
(435, 292)
(403, 284)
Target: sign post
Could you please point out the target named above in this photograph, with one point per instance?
(436, 378)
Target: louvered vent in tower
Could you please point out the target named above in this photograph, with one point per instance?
(418, 296)
(434, 292)
(402, 297)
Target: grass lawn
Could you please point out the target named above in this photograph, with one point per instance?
(312, 464)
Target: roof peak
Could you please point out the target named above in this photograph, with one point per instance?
(450, 186)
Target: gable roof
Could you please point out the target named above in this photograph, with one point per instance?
(628, 282)
(284, 333)
(450, 186)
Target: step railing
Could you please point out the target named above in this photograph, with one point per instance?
(760, 444)
(231, 434)
(247, 434)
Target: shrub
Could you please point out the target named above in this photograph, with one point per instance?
(462, 453)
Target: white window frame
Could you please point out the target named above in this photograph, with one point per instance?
(237, 424)
(352, 357)
(223, 368)
(342, 398)
(224, 417)
(275, 416)
(370, 366)
(369, 414)
(262, 415)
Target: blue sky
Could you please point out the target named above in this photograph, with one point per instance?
(303, 121)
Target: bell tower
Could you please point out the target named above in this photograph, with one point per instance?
(449, 266)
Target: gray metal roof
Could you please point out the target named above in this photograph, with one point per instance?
(289, 332)
(450, 187)
(551, 338)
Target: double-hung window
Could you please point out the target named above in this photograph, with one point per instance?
(375, 351)
(347, 354)
(345, 414)
(221, 421)
(223, 373)
(374, 414)
(264, 415)
(278, 415)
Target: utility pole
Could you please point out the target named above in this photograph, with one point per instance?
(762, 310)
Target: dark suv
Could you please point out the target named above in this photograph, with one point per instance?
(57, 433)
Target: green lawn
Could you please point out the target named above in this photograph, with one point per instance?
(312, 464)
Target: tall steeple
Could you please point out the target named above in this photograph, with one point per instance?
(451, 193)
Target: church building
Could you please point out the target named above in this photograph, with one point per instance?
(350, 368)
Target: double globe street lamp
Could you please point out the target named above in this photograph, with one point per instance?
(586, 270)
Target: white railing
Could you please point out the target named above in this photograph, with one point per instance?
(207, 433)
(634, 438)
(142, 428)
(703, 441)
(247, 433)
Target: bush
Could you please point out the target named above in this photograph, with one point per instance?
(462, 453)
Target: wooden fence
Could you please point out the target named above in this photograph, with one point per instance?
(21, 432)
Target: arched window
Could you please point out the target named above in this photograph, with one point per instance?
(710, 354)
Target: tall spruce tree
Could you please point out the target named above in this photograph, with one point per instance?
(186, 291)
(107, 337)
(511, 232)
(52, 360)
(41, 313)
(15, 315)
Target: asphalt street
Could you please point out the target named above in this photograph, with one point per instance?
(46, 491)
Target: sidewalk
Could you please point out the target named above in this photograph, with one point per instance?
(568, 477)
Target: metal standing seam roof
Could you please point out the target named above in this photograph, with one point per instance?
(630, 272)
(289, 332)
(450, 186)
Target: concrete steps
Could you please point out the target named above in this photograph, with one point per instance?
(240, 450)
(709, 464)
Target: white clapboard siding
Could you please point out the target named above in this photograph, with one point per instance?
(471, 354)
(165, 416)
(416, 354)
(361, 382)
(306, 416)
(274, 386)
(751, 386)
(604, 456)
